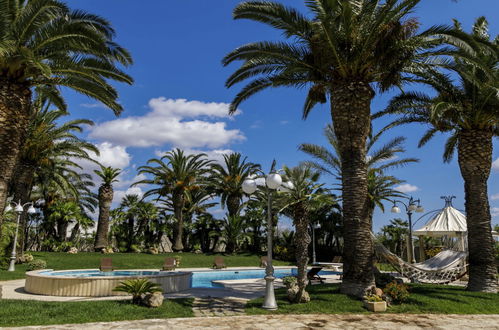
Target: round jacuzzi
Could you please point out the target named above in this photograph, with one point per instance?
(94, 283)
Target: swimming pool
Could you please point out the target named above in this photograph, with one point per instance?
(205, 279)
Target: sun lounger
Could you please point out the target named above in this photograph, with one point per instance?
(106, 265)
(219, 263)
(170, 264)
(313, 274)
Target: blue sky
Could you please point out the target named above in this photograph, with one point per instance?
(179, 98)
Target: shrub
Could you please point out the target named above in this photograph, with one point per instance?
(373, 298)
(289, 281)
(137, 288)
(135, 248)
(433, 252)
(397, 292)
(36, 264)
(177, 260)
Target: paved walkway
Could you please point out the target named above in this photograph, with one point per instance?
(218, 306)
(306, 321)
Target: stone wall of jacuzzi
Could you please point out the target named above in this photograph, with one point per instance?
(38, 283)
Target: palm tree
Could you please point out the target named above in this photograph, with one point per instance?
(394, 235)
(234, 232)
(344, 50)
(47, 140)
(177, 176)
(46, 44)
(468, 109)
(299, 202)
(108, 176)
(227, 178)
(62, 214)
(380, 187)
(130, 207)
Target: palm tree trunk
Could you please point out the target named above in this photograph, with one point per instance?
(302, 241)
(178, 205)
(475, 159)
(22, 185)
(350, 111)
(102, 234)
(15, 102)
(233, 205)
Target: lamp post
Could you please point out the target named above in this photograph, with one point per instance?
(273, 181)
(409, 208)
(314, 227)
(18, 208)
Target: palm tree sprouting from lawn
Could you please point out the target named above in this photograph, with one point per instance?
(176, 174)
(394, 234)
(47, 141)
(130, 207)
(64, 212)
(299, 202)
(468, 108)
(342, 52)
(234, 232)
(380, 187)
(46, 44)
(108, 175)
(227, 178)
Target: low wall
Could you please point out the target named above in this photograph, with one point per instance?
(98, 286)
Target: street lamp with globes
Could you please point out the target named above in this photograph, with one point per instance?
(273, 181)
(19, 209)
(409, 208)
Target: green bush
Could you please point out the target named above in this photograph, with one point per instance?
(178, 259)
(289, 281)
(36, 264)
(137, 288)
(398, 292)
(135, 248)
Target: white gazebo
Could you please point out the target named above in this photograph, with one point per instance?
(449, 222)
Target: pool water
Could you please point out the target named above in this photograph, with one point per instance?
(204, 279)
(95, 273)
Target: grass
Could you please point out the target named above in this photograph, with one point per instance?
(30, 312)
(86, 260)
(326, 299)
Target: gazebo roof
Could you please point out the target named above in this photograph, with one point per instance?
(449, 222)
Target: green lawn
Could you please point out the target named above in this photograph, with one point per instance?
(29, 312)
(84, 260)
(423, 299)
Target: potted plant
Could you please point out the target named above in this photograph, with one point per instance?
(374, 303)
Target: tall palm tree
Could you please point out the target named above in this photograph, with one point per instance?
(467, 108)
(380, 187)
(130, 206)
(234, 232)
(227, 178)
(343, 51)
(176, 174)
(62, 214)
(44, 43)
(299, 202)
(108, 175)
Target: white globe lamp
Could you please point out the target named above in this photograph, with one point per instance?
(273, 181)
(249, 186)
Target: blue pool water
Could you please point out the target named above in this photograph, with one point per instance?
(94, 273)
(204, 279)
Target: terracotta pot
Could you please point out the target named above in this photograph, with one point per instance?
(375, 306)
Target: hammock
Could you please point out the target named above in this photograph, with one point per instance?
(447, 266)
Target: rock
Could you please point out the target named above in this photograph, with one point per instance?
(165, 246)
(378, 292)
(198, 252)
(293, 290)
(107, 250)
(220, 247)
(153, 299)
(153, 250)
(73, 250)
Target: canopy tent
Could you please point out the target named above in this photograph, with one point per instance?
(449, 222)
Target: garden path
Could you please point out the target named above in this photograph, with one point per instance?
(303, 321)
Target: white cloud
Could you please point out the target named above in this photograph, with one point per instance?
(494, 197)
(494, 211)
(216, 155)
(114, 156)
(94, 105)
(119, 194)
(406, 188)
(165, 124)
(495, 164)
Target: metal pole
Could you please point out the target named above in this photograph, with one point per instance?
(313, 244)
(13, 257)
(269, 302)
(411, 247)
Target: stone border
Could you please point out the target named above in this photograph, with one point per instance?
(98, 286)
